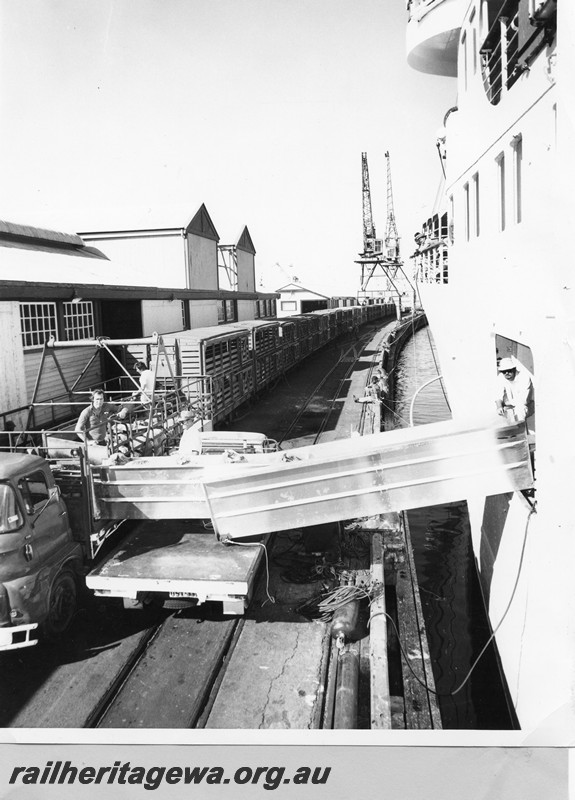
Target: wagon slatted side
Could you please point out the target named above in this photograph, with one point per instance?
(323, 332)
(266, 350)
(288, 346)
(221, 354)
(303, 336)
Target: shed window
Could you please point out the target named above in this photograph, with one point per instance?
(231, 311)
(78, 320)
(37, 323)
(227, 311)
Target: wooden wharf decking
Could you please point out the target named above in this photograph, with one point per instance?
(392, 564)
(284, 673)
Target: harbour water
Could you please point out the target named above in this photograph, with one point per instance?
(455, 618)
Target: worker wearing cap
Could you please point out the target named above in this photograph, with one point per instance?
(191, 441)
(514, 398)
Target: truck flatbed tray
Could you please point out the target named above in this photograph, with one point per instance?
(178, 559)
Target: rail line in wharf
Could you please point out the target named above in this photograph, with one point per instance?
(347, 359)
(190, 668)
(192, 651)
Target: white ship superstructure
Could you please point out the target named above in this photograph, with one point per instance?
(496, 278)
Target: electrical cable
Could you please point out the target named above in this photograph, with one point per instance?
(340, 597)
(488, 642)
(262, 545)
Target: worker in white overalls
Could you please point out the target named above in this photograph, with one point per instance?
(191, 441)
(514, 398)
(147, 383)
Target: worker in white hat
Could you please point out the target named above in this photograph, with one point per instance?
(191, 441)
(514, 399)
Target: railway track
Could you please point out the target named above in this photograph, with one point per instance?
(323, 399)
(190, 668)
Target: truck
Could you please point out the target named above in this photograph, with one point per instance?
(128, 519)
(53, 531)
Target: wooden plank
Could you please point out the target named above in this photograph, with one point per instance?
(364, 691)
(424, 645)
(379, 678)
(153, 697)
(421, 711)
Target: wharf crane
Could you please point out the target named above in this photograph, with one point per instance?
(371, 244)
(382, 275)
(391, 234)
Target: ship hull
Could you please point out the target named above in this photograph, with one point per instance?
(496, 279)
(523, 546)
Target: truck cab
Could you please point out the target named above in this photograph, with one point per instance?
(39, 560)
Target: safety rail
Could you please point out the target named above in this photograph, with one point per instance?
(129, 435)
(510, 47)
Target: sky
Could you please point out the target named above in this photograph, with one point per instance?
(260, 109)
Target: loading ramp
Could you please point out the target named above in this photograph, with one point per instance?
(375, 474)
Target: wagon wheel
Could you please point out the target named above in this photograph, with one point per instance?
(61, 605)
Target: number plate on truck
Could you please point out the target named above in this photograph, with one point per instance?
(181, 594)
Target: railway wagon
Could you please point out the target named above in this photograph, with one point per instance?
(374, 311)
(381, 310)
(265, 347)
(303, 335)
(360, 314)
(289, 346)
(314, 331)
(332, 324)
(220, 354)
(326, 330)
(342, 321)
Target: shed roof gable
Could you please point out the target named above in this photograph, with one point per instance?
(201, 224)
(297, 287)
(245, 242)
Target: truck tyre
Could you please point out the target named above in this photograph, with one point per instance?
(61, 605)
